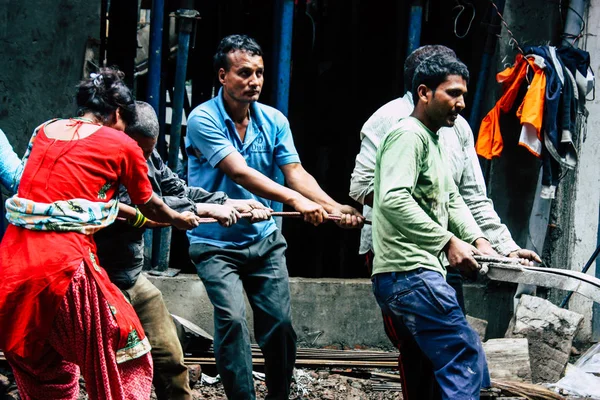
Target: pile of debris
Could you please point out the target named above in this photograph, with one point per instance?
(536, 350)
(326, 384)
(320, 383)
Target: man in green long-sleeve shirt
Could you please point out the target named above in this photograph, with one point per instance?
(419, 217)
(419, 209)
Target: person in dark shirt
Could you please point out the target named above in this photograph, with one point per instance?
(120, 249)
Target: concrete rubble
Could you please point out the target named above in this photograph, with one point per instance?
(550, 331)
(508, 359)
(479, 325)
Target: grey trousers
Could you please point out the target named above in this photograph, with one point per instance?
(170, 373)
(261, 272)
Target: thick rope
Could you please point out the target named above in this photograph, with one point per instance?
(292, 214)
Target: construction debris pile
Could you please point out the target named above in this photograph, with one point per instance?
(327, 384)
(531, 358)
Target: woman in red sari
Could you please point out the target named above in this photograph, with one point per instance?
(59, 313)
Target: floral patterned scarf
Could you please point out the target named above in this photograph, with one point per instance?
(75, 215)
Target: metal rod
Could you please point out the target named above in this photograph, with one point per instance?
(161, 240)
(186, 18)
(585, 269)
(292, 214)
(165, 82)
(284, 24)
(282, 50)
(414, 26)
(574, 22)
(155, 54)
(102, 51)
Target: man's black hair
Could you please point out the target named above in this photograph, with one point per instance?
(435, 70)
(234, 43)
(417, 57)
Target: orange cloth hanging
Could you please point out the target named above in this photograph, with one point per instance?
(489, 141)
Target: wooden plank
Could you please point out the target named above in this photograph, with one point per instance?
(508, 359)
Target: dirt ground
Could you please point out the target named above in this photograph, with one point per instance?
(313, 384)
(308, 385)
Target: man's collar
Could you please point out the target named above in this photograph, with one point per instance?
(409, 98)
(255, 113)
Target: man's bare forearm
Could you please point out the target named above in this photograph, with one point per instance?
(262, 186)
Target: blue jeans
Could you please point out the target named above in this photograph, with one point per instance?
(424, 308)
(261, 272)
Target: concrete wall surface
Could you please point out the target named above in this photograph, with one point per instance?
(42, 47)
(586, 198)
(573, 225)
(332, 312)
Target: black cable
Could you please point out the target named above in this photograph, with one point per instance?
(583, 24)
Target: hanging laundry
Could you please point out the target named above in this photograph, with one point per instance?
(552, 111)
(577, 61)
(489, 141)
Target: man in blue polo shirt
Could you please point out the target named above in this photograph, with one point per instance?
(235, 145)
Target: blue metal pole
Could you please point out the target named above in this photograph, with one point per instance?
(284, 27)
(186, 19)
(283, 50)
(155, 54)
(154, 84)
(414, 26)
(161, 238)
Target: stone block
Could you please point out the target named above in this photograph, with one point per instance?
(550, 331)
(508, 359)
(479, 325)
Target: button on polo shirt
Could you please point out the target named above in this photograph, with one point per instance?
(211, 136)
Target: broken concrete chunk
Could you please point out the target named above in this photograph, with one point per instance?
(508, 359)
(479, 325)
(550, 331)
(194, 373)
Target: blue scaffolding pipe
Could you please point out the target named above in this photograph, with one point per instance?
(187, 17)
(155, 54)
(283, 51)
(284, 25)
(414, 26)
(161, 238)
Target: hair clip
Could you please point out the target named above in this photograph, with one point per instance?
(98, 79)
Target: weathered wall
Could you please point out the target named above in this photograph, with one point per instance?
(332, 312)
(572, 233)
(513, 176)
(584, 200)
(42, 45)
